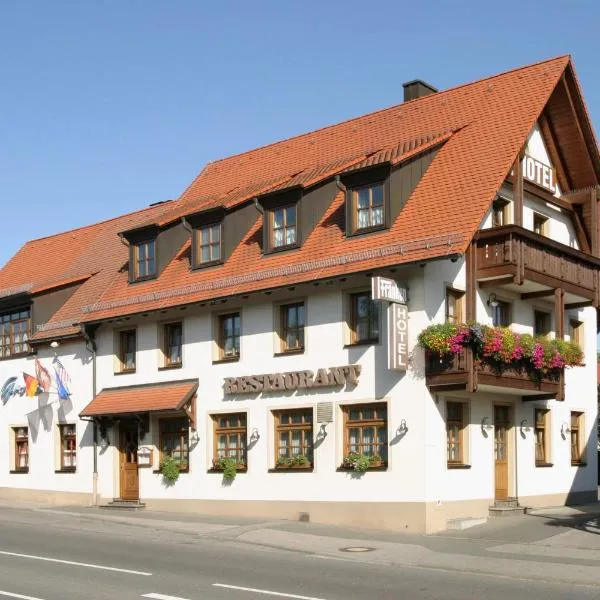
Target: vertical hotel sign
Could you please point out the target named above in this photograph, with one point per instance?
(389, 291)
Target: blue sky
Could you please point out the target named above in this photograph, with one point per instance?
(109, 105)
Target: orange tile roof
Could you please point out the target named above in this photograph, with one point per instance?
(141, 398)
(480, 128)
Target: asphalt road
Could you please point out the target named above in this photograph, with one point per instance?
(50, 556)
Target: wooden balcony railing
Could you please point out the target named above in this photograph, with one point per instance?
(515, 252)
(461, 372)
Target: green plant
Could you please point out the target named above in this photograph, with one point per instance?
(170, 469)
(286, 462)
(228, 466)
(361, 462)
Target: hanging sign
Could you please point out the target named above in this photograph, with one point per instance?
(388, 290)
(540, 174)
(397, 337)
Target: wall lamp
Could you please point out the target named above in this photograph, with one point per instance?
(485, 425)
(254, 436)
(492, 300)
(402, 428)
(525, 427)
(564, 430)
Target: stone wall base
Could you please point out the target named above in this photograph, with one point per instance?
(45, 497)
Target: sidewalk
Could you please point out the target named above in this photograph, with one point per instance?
(559, 544)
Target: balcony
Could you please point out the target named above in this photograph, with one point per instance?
(526, 262)
(462, 372)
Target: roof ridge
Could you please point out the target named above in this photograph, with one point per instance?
(97, 223)
(375, 112)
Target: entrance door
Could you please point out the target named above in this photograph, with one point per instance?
(129, 467)
(501, 428)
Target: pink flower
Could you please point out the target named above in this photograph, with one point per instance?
(537, 357)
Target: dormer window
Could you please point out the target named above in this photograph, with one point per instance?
(283, 227)
(144, 259)
(208, 244)
(368, 207)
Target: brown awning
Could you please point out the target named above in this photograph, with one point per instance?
(137, 399)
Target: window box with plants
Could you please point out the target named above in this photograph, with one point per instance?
(170, 469)
(360, 463)
(230, 467)
(497, 351)
(298, 462)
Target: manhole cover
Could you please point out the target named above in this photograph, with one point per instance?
(357, 549)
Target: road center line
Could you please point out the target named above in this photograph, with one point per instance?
(76, 564)
(266, 592)
(162, 597)
(11, 595)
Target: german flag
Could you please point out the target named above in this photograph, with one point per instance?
(31, 385)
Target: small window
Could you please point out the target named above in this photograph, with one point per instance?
(576, 332)
(174, 441)
(293, 438)
(540, 224)
(15, 329)
(229, 336)
(230, 438)
(501, 316)
(68, 447)
(455, 433)
(127, 349)
(542, 454)
(21, 449)
(577, 432)
(454, 306)
(283, 228)
(172, 344)
(208, 244)
(542, 323)
(368, 210)
(499, 212)
(292, 327)
(144, 259)
(364, 319)
(366, 432)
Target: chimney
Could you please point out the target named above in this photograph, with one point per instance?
(417, 88)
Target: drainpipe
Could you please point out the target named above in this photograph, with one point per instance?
(90, 344)
(186, 225)
(258, 207)
(340, 185)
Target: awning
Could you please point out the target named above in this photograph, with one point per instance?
(139, 399)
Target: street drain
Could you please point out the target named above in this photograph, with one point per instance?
(357, 549)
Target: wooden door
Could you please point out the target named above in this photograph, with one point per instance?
(129, 466)
(501, 451)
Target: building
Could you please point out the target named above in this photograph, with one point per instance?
(230, 339)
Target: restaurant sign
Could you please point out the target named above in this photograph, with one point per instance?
(293, 380)
(540, 174)
(388, 290)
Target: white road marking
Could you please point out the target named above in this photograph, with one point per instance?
(266, 592)
(76, 564)
(162, 597)
(11, 595)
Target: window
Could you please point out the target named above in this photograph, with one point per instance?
(540, 224)
(364, 319)
(499, 212)
(501, 314)
(172, 348)
(455, 433)
(68, 447)
(292, 327)
(21, 449)
(283, 231)
(542, 454)
(576, 332)
(174, 441)
(15, 328)
(127, 348)
(368, 207)
(541, 323)
(145, 259)
(454, 306)
(208, 240)
(229, 336)
(576, 438)
(293, 438)
(230, 438)
(366, 432)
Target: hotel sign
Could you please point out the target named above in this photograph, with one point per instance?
(540, 174)
(388, 290)
(293, 380)
(397, 337)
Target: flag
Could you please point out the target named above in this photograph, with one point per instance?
(62, 379)
(42, 376)
(31, 385)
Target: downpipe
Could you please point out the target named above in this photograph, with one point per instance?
(90, 345)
